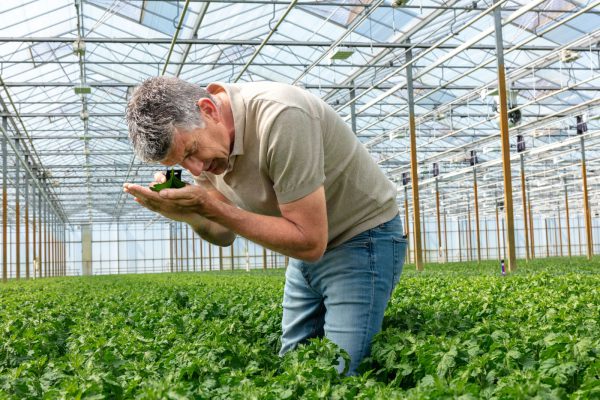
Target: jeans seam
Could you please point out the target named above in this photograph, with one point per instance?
(365, 332)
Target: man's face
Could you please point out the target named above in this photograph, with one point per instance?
(202, 149)
(198, 150)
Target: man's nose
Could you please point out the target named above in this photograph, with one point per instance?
(194, 166)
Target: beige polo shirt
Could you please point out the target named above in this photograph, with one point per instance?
(289, 142)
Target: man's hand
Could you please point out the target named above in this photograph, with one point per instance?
(183, 204)
(187, 205)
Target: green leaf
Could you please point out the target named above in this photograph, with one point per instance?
(172, 182)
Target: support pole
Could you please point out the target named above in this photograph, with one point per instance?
(27, 260)
(193, 251)
(201, 254)
(459, 241)
(445, 238)
(187, 245)
(33, 220)
(423, 224)
(487, 241)
(170, 247)
(264, 259)
(560, 237)
(547, 239)
(220, 258)
(504, 134)
(414, 173)
(469, 232)
(568, 219)
(476, 201)
(524, 198)
(407, 223)
(4, 203)
(531, 228)
(439, 225)
(46, 252)
(17, 182)
(119, 247)
(556, 242)
(181, 240)
(498, 232)
(40, 229)
(586, 205)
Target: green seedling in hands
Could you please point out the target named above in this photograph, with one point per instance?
(173, 181)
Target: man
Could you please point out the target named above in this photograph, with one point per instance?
(277, 165)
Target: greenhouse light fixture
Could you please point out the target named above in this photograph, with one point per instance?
(340, 53)
(398, 3)
(568, 56)
(83, 89)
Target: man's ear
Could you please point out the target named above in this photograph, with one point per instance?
(208, 109)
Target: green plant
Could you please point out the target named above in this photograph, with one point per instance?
(173, 181)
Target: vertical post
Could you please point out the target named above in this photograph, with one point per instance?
(568, 219)
(201, 254)
(17, 215)
(414, 173)
(469, 232)
(264, 259)
(556, 235)
(119, 247)
(439, 225)
(459, 241)
(51, 249)
(232, 257)
(40, 229)
(524, 198)
(406, 222)
(187, 246)
(498, 232)
(423, 225)
(209, 256)
(547, 239)
(4, 202)
(586, 204)
(560, 237)
(27, 260)
(220, 258)
(487, 241)
(86, 250)
(46, 252)
(579, 226)
(170, 247)
(504, 134)
(445, 238)
(193, 251)
(476, 200)
(180, 237)
(33, 236)
(531, 228)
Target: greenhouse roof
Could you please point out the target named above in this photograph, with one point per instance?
(68, 67)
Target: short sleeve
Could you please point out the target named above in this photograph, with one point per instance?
(295, 159)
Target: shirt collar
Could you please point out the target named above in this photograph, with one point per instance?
(238, 110)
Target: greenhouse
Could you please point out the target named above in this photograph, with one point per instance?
(481, 120)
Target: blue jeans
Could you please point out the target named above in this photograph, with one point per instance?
(343, 296)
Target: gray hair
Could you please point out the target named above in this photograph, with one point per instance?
(156, 108)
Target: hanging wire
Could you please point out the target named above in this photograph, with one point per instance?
(272, 18)
(176, 19)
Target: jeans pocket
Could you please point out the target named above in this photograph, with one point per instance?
(400, 245)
